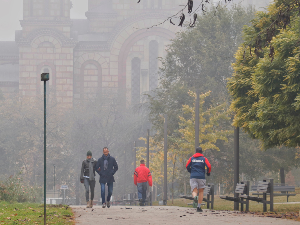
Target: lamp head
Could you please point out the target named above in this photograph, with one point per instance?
(44, 76)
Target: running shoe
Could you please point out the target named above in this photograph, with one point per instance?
(108, 204)
(103, 205)
(199, 209)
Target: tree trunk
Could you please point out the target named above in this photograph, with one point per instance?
(282, 177)
(173, 180)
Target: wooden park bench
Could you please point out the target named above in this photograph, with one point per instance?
(284, 190)
(242, 189)
(209, 192)
(264, 188)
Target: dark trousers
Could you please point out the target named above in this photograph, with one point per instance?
(142, 190)
(110, 187)
(89, 184)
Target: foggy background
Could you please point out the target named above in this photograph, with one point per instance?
(109, 120)
(12, 11)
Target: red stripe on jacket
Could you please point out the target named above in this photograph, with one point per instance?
(208, 165)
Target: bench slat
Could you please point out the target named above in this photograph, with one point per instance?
(262, 182)
(284, 188)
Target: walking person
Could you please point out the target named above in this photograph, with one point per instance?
(106, 167)
(196, 167)
(87, 177)
(142, 177)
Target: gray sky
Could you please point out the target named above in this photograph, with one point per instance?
(11, 12)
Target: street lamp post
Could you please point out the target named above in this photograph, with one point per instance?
(236, 163)
(54, 180)
(45, 78)
(197, 119)
(165, 162)
(134, 148)
(148, 148)
(134, 162)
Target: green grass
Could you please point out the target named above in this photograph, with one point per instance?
(29, 213)
(220, 204)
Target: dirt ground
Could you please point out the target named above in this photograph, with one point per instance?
(168, 215)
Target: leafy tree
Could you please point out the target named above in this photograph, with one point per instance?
(180, 143)
(21, 139)
(199, 57)
(212, 126)
(265, 85)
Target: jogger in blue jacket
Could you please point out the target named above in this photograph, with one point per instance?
(196, 167)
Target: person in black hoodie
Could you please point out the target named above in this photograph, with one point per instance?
(87, 177)
(106, 167)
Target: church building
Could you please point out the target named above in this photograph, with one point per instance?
(110, 50)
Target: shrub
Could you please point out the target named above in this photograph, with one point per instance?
(13, 189)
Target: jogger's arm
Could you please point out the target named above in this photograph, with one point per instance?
(208, 165)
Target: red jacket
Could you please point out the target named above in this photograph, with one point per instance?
(142, 174)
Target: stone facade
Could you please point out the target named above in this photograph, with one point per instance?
(110, 51)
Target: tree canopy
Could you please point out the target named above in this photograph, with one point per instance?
(199, 57)
(265, 86)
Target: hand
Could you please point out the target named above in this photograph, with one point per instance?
(99, 169)
(81, 181)
(208, 174)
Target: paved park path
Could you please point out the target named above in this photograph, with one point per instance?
(168, 215)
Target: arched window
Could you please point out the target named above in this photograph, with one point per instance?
(92, 81)
(153, 65)
(135, 80)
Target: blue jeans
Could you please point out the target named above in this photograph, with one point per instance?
(110, 191)
(142, 191)
(89, 184)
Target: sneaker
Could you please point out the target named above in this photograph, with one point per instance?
(108, 204)
(199, 209)
(103, 205)
(142, 203)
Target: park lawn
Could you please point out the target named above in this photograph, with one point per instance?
(30, 213)
(220, 204)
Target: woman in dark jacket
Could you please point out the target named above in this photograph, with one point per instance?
(106, 167)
